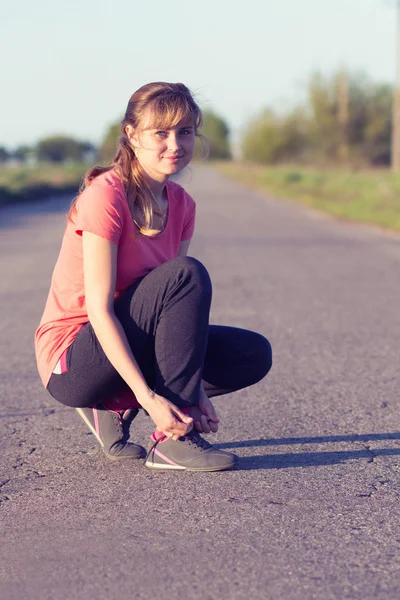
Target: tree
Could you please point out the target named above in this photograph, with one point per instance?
(270, 139)
(216, 131)
(261, 141)
(4, 154)
(325, 135)
(109, 144)
(365, 135)
(62, 148)
(378, 128)
(346, 119)
(89, 152)
(23, 153)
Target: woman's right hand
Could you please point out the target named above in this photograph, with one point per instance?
(167, 417)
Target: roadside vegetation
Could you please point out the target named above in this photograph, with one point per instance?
(56, 164)
(331, 152)
(365, 196)
(24, 183)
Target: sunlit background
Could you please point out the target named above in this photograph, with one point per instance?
(307, 83)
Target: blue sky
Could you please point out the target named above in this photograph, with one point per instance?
(70, 66)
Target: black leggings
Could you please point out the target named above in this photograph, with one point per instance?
(165, 317)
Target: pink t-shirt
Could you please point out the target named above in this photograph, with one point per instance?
(102, 208)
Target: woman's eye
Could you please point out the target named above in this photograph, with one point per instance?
(161, 134)
(185, 132)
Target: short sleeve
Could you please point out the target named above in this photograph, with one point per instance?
(188, 225)
(99, 211)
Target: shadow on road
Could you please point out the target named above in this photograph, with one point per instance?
(311, 459)
(364, 437)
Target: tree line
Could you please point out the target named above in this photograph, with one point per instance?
(53, 149)
(345, 119)
(61, 149)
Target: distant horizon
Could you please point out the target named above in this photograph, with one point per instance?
(78, 73)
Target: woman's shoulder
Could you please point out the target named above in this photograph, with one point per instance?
(108, 179)
(105, 188)
(102, 199)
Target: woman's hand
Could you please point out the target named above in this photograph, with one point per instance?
(167, 417)
(204, 415)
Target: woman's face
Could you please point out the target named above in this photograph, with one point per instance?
(163, 152)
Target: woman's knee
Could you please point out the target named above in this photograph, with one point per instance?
(262, 356)
(82, 392)
(192, 269)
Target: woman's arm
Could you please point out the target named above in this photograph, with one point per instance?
(184, 247)
(100, 267)
(100, 271)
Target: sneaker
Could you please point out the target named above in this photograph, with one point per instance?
(111, 428)
(189, 453)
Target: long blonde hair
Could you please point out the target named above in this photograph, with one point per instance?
(170, 103)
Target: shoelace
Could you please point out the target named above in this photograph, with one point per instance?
(152, 447)
(196, 439)
(126, 421)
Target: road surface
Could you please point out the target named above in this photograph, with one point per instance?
(312, 511)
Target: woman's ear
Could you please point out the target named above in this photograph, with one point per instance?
(130, 132)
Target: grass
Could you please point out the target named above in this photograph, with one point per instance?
(23, 183)
(365, 196)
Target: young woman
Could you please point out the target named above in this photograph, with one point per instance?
(126, 323)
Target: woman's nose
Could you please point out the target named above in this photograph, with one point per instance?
(173, 143)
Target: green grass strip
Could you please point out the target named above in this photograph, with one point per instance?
(24, 183)
(364, 196)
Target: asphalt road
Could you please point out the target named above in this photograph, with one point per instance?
(312, 511)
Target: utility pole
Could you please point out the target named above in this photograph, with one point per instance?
(343, 113)
(396, 99)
